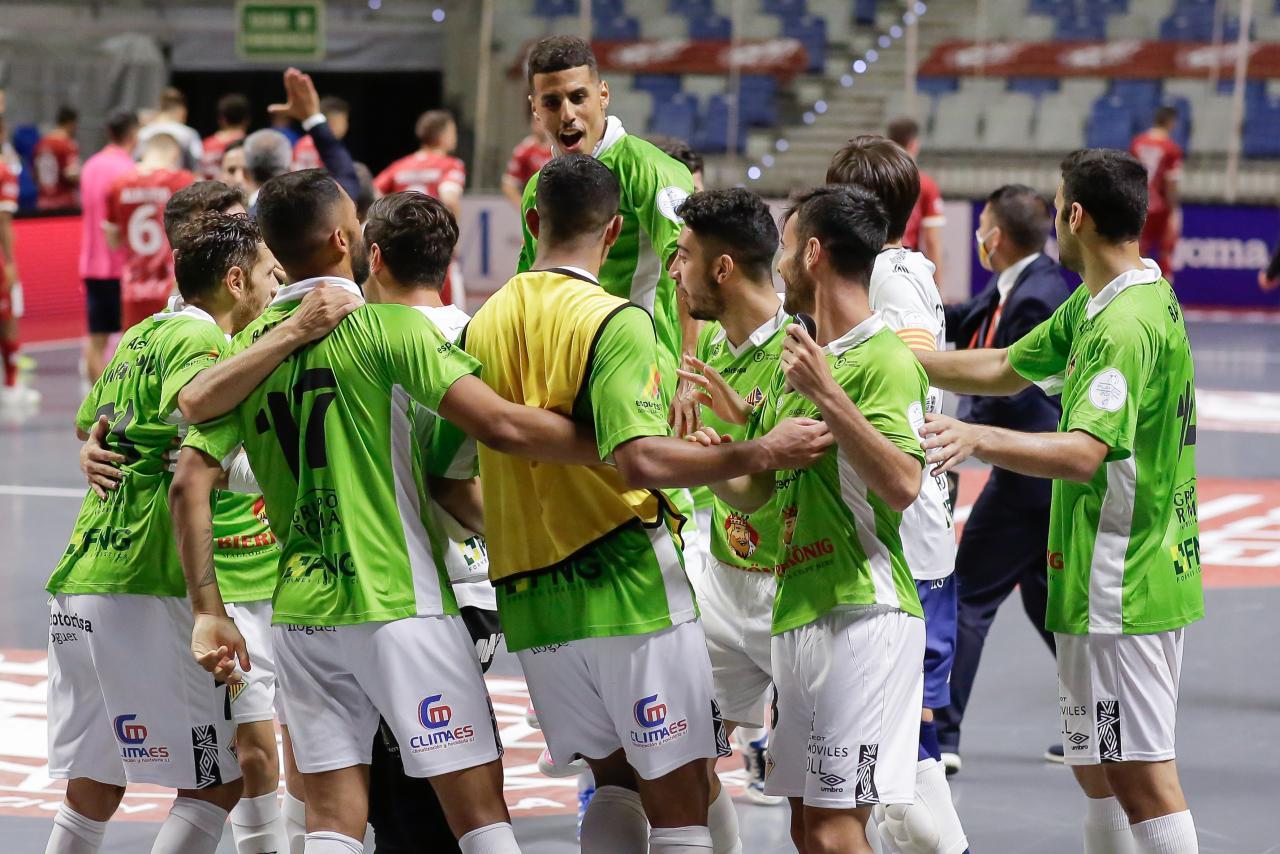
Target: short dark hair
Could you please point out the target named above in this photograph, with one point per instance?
(882, 166)
(170, 97)
(367, 194)
(416, 234)
(295, 213)
(431, 125)
(1023, 215)
(738, 223)
(234, 109)
(850, 223)
(120, 124)
(1165, 116)
(334, 104)
(577, 195)
(210, 245)
(678, 149)
(193, 200)
(1111, 186)
(903, 130)
(559, 53)
(67, 115)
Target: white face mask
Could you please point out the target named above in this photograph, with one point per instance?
(984, 256)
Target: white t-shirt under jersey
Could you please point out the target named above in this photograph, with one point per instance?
(905, 296)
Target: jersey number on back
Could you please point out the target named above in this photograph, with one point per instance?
(127, 447)
(279, 412)
(145, 235)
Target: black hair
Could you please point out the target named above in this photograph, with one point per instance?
(576, 196)
(297, 211)
(67, 115)
(848, 221)
(738, 223)
(416, 234)
(678, 149)
(903, 130)
(120, 124)
(188, 203)
(1165, 116)
(559, 53)
(334, 104)
(233, 109)
(431, 126)
(210, 245)
(1023, 215)
(882, 166)
(1111, 186)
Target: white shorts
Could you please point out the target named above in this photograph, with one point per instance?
(737, 614)
(257, 700)
(127, 701)
(1119, 696)
(649, 694)
(847, 729)
(419, 673)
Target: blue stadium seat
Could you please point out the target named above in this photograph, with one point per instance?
(1261, 137)
(615, 29)
(864, 11)
(810, 31)
(555, 8)
(692, 8)
(790, 8)
(1137, 93)
(677, 116)
(934, 86)
(758, 92)
(713, 135)
(710, 27)
(660, 86)
(25, 138)
(1081, 27)
(1045, 7)
(1184, 28)
(1034, 85)
(1111, 124)
(608, 8)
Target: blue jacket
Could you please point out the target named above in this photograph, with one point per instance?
(1039, 290)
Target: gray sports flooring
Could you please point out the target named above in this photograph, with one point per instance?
(1010, 800)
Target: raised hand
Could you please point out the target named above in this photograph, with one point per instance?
(303, 101)
(708, 388)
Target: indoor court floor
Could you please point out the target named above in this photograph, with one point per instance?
(1010, 800)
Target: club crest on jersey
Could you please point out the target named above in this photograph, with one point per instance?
(652, 717)
(756, 397)
(743, 538)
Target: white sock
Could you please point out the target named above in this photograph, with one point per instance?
(496, 838)
(615, 823)
(1106, 827)
(695, 839)
(74, 834)
(257, 827)
(294, 813)
(1168, 834)
(332, 842)
(933, 791)
(722, 820)
(193, 827)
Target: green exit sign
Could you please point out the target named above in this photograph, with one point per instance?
(280, 30)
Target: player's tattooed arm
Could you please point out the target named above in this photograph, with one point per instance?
(216, 643)
(217, 390)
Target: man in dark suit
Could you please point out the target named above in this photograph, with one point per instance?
(1006, 536)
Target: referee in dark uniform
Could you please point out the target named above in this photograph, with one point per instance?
(1006, 536)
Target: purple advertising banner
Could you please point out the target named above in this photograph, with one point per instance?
(1216, 261)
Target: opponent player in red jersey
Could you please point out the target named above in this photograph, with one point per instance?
(12, 395)
(1157, 151)
(233, 124)
(432, 169)
(57, 164)
(924, 229)
(337, 113)
(135, 220)
(529, 155)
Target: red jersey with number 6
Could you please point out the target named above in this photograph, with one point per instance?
(135, 205)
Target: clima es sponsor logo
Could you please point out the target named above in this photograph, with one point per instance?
(437, 719)
(132, 735)
(651, 716)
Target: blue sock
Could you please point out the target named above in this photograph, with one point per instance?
(929, 742)
(762, 742)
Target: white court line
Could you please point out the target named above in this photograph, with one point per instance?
(1226, 504)
(41, 491)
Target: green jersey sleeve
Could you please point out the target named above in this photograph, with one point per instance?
(196, 347)
(624, 388)
(1110, 374)
(1042, 354)
(87, 413)
(892, 401)
(219, 438)
(451, 452)
(529, 245)
(419, 359)
(657, 187)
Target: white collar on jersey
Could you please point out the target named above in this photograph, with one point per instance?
(178, 308)
(298, 290)
(855, 336)
(578, 271)
(613, 131)
(1149, 274)
(755, 339)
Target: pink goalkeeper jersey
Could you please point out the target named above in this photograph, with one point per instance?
(96, 177)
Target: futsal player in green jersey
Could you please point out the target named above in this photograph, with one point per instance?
(848, 632)
(1124, 556)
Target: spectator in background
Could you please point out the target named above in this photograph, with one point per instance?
(171, 119)
(13, 397)
(100, 265)
(337, 113)
(678, 149)
(325, 130)
(231, 171)
(233, 125)
(57, 164)
(432, 169)
(267, 153)
(529, 155)
(135, 220)
(1269, 279)
(1162, 157)
(924, 229)
(368, 194)
(1006, 536)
